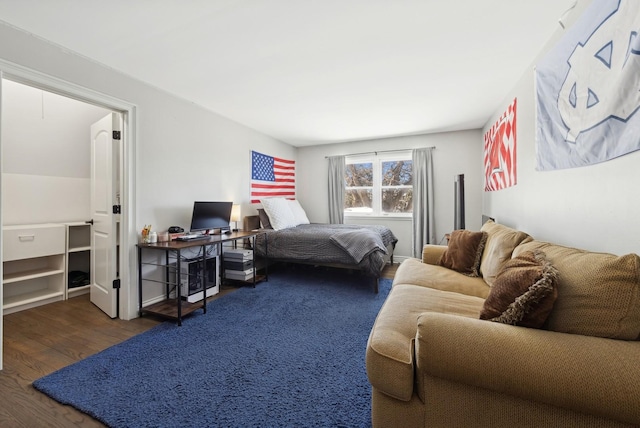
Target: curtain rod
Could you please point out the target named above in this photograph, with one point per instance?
(375, 152)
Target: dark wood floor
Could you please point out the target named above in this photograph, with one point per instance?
(390, 271)
(41, 340)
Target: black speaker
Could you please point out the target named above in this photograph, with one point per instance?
(176, 229)
(458, 203)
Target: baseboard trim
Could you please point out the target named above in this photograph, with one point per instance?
(400, 259)
(154, 300)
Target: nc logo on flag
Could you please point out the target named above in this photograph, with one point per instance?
(588, 89)
(589, 98)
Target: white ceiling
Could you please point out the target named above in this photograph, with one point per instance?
(312, 71)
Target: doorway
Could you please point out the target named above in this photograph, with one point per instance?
(56, 152)
(11, 75)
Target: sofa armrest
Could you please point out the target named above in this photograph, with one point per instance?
(585, 374)
(431, 253)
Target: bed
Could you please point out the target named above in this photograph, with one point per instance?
(366, 248)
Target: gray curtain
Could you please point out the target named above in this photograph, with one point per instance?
(423, 213)
(336, 189)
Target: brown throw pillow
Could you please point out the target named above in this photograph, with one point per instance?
(264, 219)
(464, 252)
(523, 292)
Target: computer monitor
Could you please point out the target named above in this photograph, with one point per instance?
(211, 215)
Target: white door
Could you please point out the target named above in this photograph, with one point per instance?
(105, 157)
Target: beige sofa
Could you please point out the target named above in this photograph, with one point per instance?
(432, 362)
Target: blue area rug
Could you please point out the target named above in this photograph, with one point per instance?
(290, 352)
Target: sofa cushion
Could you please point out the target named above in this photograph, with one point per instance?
(464, 252)
(413, 271)
(523, 292)
(432, 253)
(501, 241)
(390, 349)
(598, 293)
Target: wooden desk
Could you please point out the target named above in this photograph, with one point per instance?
(176, 308)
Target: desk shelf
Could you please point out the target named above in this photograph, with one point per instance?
(258, 278)
(169, 308)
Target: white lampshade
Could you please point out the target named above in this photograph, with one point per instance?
(235, 213)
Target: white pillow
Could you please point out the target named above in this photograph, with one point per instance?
(298, 212)
(279, 212)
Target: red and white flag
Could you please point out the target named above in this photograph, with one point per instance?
(271, 176)
(500, 152)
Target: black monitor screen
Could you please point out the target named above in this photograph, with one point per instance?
(211, 215)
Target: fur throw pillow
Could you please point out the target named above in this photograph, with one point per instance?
(523, 292)
(464, 252)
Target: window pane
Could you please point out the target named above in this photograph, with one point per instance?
(358, 200)
(359, 174)
(397, 173)
(397, 200)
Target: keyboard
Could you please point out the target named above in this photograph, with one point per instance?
(191, 237)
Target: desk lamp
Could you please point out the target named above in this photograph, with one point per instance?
(235, 216)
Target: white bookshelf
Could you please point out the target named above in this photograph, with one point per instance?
(78, 255)
(33, 266)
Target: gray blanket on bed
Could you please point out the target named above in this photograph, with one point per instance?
(359, 243)
(312, 243)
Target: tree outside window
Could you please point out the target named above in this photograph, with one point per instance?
(379, 185)
(359, 190)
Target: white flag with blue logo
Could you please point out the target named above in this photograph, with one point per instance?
(588, 89)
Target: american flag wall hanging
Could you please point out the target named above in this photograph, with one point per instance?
(271, 176)
(500, 152)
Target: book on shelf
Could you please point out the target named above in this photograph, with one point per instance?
(238, 264)
(240, 275)
(238, 254)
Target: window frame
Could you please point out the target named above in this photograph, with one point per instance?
(377, 159)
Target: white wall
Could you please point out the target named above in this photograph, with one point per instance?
(455, 153)
(594, 207)
(191, 154)
(183, 152)
(46, 155)
(31, 199)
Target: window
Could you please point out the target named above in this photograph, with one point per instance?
(379, 185)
